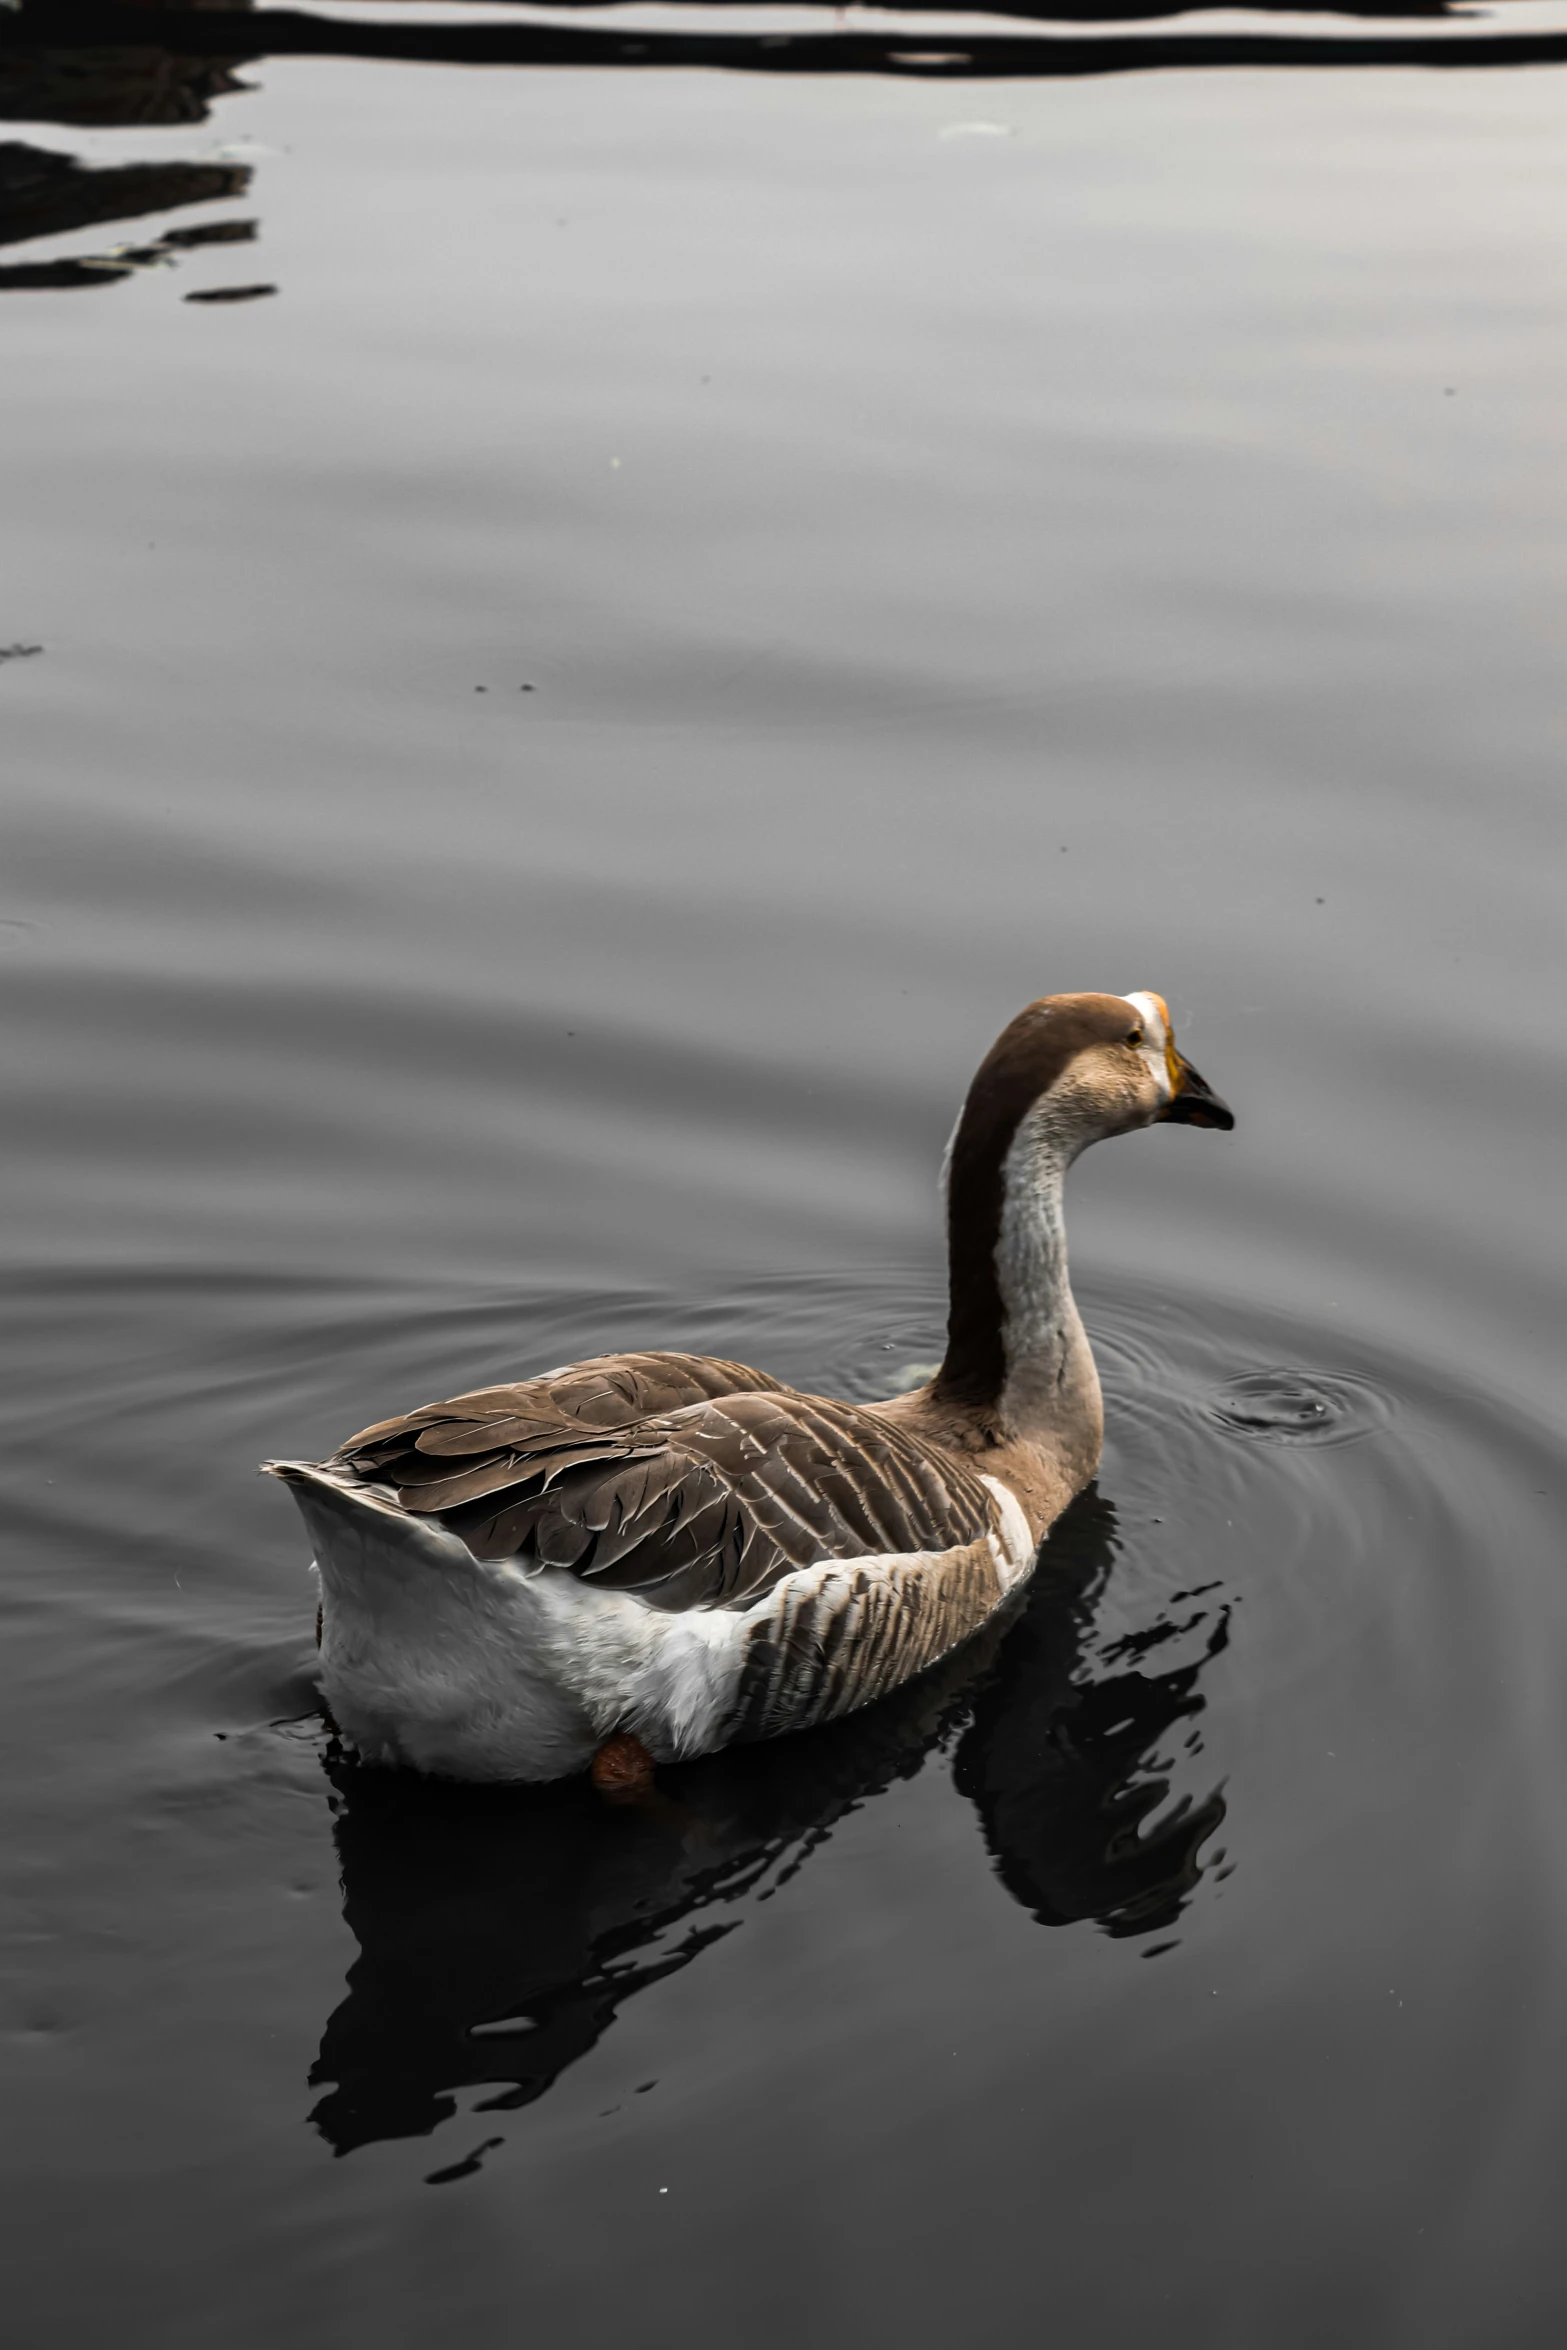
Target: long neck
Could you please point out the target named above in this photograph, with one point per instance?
(1017, 1356)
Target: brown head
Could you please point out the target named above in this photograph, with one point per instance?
(1069, 1070)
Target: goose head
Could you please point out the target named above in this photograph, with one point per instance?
(1105, 1065)
(1071, 1070)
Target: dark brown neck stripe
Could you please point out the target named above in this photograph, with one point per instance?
(1024, 1062)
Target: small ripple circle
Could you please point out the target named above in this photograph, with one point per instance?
(1299, 1407)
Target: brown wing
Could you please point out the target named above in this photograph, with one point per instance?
(607, 1391)
(703, 1502)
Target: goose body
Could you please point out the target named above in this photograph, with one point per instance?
(681, 1552)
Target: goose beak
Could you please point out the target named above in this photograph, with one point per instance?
(1193, 1101)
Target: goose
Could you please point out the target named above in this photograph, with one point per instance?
(646, 1557)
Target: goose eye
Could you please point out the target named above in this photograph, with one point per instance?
(1134, 1036)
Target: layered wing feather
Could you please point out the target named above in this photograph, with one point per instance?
(695, 1482)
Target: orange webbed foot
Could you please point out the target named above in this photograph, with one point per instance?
(622, 1769)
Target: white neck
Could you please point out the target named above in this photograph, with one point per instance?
(1050, 1396)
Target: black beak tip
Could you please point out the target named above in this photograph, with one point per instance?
(1198, 1105)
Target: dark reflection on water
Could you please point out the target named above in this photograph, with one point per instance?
(838, 51)
(149, 66)
(138, 83)
(500, 1933)
(1061, 1762)
(43, 194)
(146, 65)
(56, 66)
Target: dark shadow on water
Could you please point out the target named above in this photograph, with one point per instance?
(46, 194)
(133, 83)
(75, 62)
(1061, 1766)
(56, 66)
(71, 25)
(500, 1931)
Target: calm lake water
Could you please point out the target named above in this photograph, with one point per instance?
(538, 752)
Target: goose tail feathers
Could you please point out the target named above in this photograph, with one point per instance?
(430, 1656)
(352, 1525)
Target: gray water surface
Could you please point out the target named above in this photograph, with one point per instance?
(557, 737)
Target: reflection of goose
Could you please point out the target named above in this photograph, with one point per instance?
(500, 1930)
(650, 1556)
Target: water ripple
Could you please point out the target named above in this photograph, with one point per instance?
(1299, 1407)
